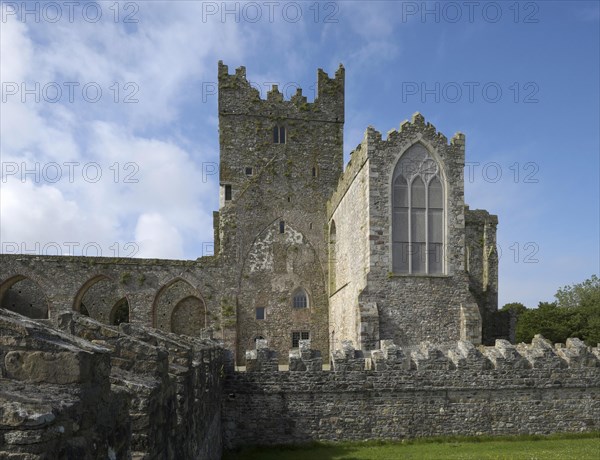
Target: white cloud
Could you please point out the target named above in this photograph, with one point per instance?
(157, 238)
(152, 184)
(41, 218)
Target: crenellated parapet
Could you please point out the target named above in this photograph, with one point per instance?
(540, 355)
(305, 359)
(347, 359)
(397, 393)
(238, 96)
(390, 357)
(578, 354)
(505, 356)
(261, 359)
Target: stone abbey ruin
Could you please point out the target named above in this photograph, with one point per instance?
(340, 304)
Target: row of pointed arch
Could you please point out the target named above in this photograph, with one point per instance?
(178, 306)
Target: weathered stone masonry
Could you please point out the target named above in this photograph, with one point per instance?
(82, 389)
(272, 229)
(390, 394)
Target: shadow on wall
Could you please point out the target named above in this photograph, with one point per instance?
(24, 296)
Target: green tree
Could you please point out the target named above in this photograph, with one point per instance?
(578, 295)
(576, 313)
(547, 319)
(517, 307)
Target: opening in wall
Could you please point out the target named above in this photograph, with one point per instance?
(300, 299)
(227, 192)
(417, 214)
(279, 134)
(299, 335)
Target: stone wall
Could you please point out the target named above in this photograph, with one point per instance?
(396, 394)
(481, 263)
(157, 292)
(87, 390)
(26, 297)
(349, 255)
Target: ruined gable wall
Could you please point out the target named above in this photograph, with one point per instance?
(481, 261)
(414, 308)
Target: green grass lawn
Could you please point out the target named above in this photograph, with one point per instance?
(559, 447)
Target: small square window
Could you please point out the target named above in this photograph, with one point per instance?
(227, 192)
(299, 335)
(249, 171)
(282, 227)
(260, 313)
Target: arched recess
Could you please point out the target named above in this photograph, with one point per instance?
(332, 258)
(188, 317)
(180, 308)
(98, 297)
(417, 220)
(274, 267)
(120, 312)
(24, 296)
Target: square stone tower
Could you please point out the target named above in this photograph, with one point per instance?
(280, 161)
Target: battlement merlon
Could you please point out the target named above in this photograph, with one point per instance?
(239, 96)
(540, 355)
(480, 217)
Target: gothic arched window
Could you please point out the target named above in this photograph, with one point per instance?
(417, 214)
(300, 299)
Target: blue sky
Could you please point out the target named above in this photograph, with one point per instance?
(127, 156)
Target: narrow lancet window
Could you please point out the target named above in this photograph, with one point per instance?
(279, 134)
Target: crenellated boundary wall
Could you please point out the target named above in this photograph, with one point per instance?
(73, 387)
(392, 394)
